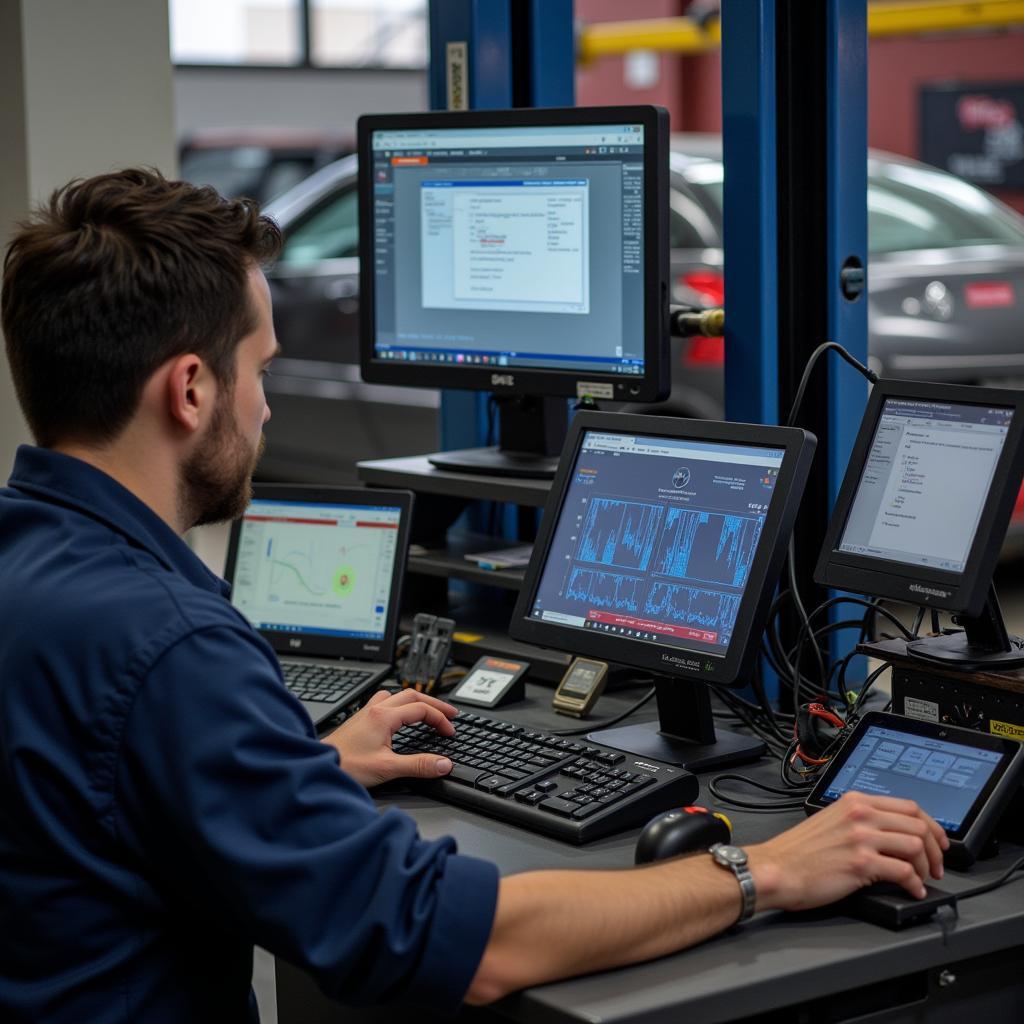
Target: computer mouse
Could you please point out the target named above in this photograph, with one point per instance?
(683, 830)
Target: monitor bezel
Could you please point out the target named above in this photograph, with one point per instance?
(382, 650)
(730, 668)
(964, 591)
(1009, 751)
(655, 382)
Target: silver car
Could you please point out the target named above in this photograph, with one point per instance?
(945, 295)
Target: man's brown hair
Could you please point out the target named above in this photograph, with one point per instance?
(113, 277)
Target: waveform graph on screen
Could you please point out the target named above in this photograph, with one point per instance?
(708, 546)
(620, 533)
(694, 607)
(605, 589)
(316, 570)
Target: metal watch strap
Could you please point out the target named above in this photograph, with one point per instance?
(734, 859)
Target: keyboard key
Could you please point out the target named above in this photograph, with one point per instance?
(558, 806)
(464, 774)
(587, 810)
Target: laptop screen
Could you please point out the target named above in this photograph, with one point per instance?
(316, 568)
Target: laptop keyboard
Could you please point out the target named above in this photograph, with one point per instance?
(322, 682)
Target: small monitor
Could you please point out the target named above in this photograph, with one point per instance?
(660, 547)
(522, 252)
(924, 506)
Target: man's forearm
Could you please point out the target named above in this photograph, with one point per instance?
(555, 924)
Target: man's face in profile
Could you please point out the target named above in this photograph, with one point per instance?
(217, 476)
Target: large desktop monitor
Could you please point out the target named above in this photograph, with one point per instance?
(924, 507)
(660, 546)
(522, 252)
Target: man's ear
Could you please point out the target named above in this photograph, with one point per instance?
(190, 390)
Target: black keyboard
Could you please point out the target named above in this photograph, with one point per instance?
(565, 788)
(322, 682)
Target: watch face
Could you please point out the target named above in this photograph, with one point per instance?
(730, 855)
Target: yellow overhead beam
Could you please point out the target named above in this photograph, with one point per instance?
(911, 17)
(894, 17)
(672, 35)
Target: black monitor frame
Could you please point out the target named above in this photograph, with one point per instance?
(686, 732)
(333, 646)
(968, 591)
(514, 385)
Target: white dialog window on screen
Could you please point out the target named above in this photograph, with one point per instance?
(519, 247)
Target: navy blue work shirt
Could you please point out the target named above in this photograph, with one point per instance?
(164, 801)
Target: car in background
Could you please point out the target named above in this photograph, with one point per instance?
(258, 163)
(945, 303)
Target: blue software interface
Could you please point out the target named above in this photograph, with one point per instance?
(944, 778)
(925, 482)
(510, 246)
(656, 537)
(314, 568)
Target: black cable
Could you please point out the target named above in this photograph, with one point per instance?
(1005, 877)
(791, 421)
(608, 721)
(918, 621)
(812, 359)
(764, 806)
(797, 690)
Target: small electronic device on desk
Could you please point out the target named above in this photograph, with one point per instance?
(430, 646)
(964, 779)
(923, 511)
(580, 687)
(491, 683)
(660, 547)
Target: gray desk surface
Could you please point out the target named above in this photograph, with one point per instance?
(773, 961)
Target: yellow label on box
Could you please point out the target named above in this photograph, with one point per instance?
(467, 638)
(1007, 729)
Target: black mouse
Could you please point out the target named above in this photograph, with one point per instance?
(683, 830)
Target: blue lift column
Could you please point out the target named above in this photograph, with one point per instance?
(487, 55)
(794, 91)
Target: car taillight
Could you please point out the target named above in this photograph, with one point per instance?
(703, 352)
(1018, 508)
(710, 286)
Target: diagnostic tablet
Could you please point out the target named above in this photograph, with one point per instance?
(963, 779)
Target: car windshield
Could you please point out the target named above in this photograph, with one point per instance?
(909, 207)
(918, 208)
(232, 171)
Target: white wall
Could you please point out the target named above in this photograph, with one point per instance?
(86, 87)
(323, 100)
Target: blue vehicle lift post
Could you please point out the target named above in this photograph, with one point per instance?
(794, 84)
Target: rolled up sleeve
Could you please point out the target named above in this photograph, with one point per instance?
(240, 813)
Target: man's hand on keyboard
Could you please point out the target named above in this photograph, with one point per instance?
(364, 741)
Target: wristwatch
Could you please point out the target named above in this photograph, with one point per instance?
(735, 859)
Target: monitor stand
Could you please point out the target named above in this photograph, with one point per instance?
(531, 431)
(685, 733)
(983, 643)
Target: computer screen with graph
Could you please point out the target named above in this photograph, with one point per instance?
(323, 566)
(660, 540)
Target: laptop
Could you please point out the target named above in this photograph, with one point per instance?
(318, 572)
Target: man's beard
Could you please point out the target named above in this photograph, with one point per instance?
(216, 480)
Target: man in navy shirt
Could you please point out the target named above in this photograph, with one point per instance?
(164, 801)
